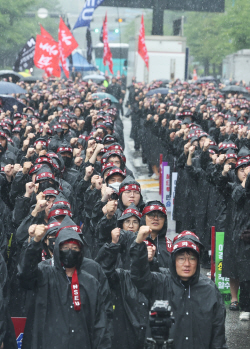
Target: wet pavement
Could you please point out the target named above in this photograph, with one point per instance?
(237, 332)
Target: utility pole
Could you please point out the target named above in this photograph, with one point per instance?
(158, 17)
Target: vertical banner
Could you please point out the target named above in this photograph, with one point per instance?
(221, 282)
(160, 178)
(173, 187)
(19, 325)
(166, 194)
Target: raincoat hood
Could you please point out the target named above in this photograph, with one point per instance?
(64, 235)
(163, 231)
(129, 181)
(132, 210)
(193, 279)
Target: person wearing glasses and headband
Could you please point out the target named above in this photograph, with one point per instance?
(155, 217)
(195, 301)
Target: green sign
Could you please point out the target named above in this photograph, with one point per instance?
(221, 282)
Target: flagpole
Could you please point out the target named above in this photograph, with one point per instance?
(119, 36)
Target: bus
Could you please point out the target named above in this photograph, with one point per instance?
(119, 55)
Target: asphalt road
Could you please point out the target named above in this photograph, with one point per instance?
(237, 332)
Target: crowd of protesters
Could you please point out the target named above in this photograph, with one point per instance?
(83, 257)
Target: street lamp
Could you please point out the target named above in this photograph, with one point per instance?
(42, 13)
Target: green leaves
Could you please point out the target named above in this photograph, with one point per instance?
(16, 27)
(212, 36)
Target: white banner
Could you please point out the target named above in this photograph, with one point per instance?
(166, 198)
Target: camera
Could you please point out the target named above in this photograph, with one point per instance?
(114, 196)
(160, 321)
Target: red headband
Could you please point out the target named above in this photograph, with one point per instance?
(185, 233)
(51, 192)
(41, 142)
(60, 212)
(151, 208)
(114, 171)
(130, 187)
(228, 156)
(33, 169)
(44, 175)
(115, 147)
(75, 242)
(186, 244)
(3, 135)
(131, 210)
(76, 228)
(66, 203)
(54, 224)
(44, 159)
(64, 149)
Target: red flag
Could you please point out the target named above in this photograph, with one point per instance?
(142, 49)
(47, 56)
(68, 42)
(107, 55)
(63, 60)
(45, 33)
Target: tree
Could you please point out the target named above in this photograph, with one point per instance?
(212, 36)
(16, 26)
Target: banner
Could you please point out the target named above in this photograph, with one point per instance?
(66, 40)
(142, 49)
(47, 56)
(173, 187)
(25, 58)
(19, 325)
(86, 15)
(89, 45)
(45, 33)
(66, 44)
(166, 197)
(221, 282)
(107, 55)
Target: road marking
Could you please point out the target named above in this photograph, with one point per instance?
(149, 185)
(147, 180)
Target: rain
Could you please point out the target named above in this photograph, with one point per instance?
(124, 174)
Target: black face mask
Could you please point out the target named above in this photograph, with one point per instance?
(232, 165)
(67, 161)
(44, 185)
(71, 258)
(51, 244)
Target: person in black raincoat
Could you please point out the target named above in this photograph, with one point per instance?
(195, 301)
(129, 192)
(130, 306)
(154, 216)
(68, 310)
(7, 334)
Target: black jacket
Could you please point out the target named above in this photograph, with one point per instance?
(55, 322)
(7, 334)
(197, 307)
(130, 306)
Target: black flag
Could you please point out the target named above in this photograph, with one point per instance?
(89, 45)
(70, 58)
(25, 56)
(101, 35)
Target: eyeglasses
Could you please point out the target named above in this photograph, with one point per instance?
(130, 192)
(128, 222)
(191, 259)
(156, 214)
